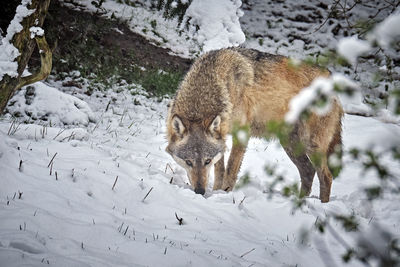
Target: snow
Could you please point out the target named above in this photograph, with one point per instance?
(298, 29)
(217, 22)
(388, 31)
(320, 87)
(207, 24)
(385, 34)
(352, 47)
(36, 31)
(118, 30)
(8, 52)
(174, 4)
(165, 33)
(62, 156)
(42, 101)
(77, 218)
(353, 104)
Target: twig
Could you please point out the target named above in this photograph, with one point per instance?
(20, 166)
(126, 230)
(241, 202)
(60, 132)
(51, 168)
(71, 136)
(244, 254)
(168, 165)
(120, 227)
(108, 105)
(147, 194)
(115, 182)
(355, 113)
(51, 161)
(329, 16)
(180, 220)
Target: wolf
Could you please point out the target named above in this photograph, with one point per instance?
(249, 88)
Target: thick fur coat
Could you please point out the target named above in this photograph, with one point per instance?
(246, 87)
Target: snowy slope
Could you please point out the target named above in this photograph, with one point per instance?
(76, 219)
(206, 25)
(297, 29)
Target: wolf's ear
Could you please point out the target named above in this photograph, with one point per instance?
(177, 125)
(215, 126)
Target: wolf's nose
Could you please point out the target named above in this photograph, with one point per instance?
(199, 191)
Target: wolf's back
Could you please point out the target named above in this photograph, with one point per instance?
(214, 81)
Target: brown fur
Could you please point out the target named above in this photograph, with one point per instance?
(248, 87)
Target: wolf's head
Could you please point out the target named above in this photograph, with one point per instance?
(196, 146)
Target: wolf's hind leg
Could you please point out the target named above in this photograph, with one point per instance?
(233, 167)
(325, 180)
(219, 172)
(306, 170)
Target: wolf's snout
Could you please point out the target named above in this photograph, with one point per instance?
(199, 191)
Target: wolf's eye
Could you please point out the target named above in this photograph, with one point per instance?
(189, 163)
(207, 162)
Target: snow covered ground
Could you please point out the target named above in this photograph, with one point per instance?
(88, 183)
(58, 204)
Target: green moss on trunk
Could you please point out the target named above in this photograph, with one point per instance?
(25, 46)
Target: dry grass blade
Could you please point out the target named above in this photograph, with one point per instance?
(115, 182)
(51, 161)
(180, 220)
(20, 165)
(244, 254)
(60, 132)
(147, 194)
(168, 166)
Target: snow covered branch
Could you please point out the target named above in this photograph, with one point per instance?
(17, 47)
(320, 88)
(319, 94)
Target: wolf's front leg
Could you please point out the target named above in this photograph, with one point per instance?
(233, 167)
(219, 172)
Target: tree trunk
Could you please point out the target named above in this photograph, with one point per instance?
(25, 45)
